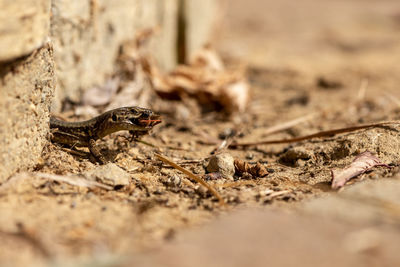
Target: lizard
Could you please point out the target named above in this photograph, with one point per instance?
(138, 121)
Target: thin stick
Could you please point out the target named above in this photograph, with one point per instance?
(225, 143)
(270, 130)
(185, 162)
(315, 135)
(158, 147)
(279, 193)
(362, 90)
(289, 124)
(78, 153)
(392, 98)
(236, 183)
(69, 179)
(193, 176)
(146, 143)
(72, 180)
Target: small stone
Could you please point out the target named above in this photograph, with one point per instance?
(212, 176)
(249, 156)
(174, 180)
(228, 132)
(202, 191)
(222, 163)
(109, 174)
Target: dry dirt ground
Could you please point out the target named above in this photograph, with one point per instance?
(333, 61)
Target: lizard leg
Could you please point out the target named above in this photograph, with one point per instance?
(135, 135)
(96, 151)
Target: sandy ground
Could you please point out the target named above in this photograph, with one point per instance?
(333, 61)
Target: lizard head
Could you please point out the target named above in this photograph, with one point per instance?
(134, 118)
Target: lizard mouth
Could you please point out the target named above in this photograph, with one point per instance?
(149, 123)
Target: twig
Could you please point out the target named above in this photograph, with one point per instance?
(392, 98)
(146, 143)
(75, 152)
(211, 139)
(289, 124)
(362, 90)
(191, 175)
(185, 162)
(237, 183)
(273, 129)
(315, 135)
(225, 143)
(158, 147)
(70, 179)
(278, 193)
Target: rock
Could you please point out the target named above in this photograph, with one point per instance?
(109, 174)
(222, 163)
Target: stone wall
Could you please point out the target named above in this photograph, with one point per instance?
(87, 35)
(202, 19)
(27, 82)
(51, 50)
(22, 30)
(26, 89)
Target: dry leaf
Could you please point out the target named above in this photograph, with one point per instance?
(207, 57)
(256, 170)
(204, 79)
(236, 96)
(362, 163)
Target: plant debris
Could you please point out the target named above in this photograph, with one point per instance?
(361, 164)
(193, 176)
(325, 83)
(315, 135)
(256, 170)
(206, 79)
(69, 179)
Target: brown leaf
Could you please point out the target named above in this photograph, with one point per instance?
(207, 57)
(204, 79)
(256, 170)
(362, 163)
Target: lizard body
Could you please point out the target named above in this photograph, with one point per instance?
(136, 120)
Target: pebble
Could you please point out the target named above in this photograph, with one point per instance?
(249, 156)
(222, 163)
(109, 174)
(174, 180)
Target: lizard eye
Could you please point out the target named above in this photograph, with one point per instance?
(114, 117)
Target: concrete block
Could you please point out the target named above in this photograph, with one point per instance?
(26, 89)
